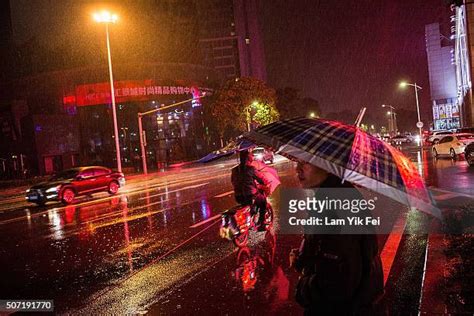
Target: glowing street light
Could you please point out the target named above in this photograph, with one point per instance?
(312, 115)
(419, 124)
(106, 17)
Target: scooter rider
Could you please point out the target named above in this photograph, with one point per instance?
(244, 180)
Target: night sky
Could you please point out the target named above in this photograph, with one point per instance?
(345, 54)
(349, 54)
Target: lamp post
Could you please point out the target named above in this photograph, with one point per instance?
(392, 126)
(107, 18)
(419, 124)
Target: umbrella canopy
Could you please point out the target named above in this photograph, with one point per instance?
(230, 149)
(214, 156)
(349, 153)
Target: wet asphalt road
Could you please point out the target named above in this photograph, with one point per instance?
(155, 247)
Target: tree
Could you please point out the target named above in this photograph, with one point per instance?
(243, 101)
(290, 104)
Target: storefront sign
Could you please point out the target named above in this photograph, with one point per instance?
(128, 91)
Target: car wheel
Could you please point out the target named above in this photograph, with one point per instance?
(113, 188)
(68, 196)
(452, 153)
(470, 160)
(435, 153)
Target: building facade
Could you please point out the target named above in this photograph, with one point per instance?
(463, 35)
(230, 38)
(442, 74)
(163, 52)
(66, 119)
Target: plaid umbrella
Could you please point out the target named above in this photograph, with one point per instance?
(230, 149)
(349, 153)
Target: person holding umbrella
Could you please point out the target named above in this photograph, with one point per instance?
(342, 274)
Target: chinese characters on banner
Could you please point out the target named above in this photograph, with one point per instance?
(125, 91)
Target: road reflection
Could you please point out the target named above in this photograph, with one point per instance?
(55, 224)
(252, 261)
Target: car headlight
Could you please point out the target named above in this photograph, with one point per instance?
(53, 189)
(28, 190)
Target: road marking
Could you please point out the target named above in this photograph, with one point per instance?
(205, 221)
(123, 219)
(445, 196)
(452, 192)
(174, 191)
(96, 201)
(390, 247)
(119, 212)
(224, 194)
(169, 252)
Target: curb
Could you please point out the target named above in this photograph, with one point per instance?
(432, 300)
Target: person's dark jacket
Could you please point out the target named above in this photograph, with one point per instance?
(342, 274)
(244, 180)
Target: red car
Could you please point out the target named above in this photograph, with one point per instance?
(64, 186)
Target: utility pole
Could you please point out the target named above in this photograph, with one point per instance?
(142, 132)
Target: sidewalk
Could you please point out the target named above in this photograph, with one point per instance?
(446, 279)
(433, 294)
(13, 192)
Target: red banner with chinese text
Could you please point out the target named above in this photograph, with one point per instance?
(127, 91)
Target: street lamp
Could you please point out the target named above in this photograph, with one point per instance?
(419, 124)
(392, 126)
(106, 17)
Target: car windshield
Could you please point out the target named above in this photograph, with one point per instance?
(64, 175)
(257, 151)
